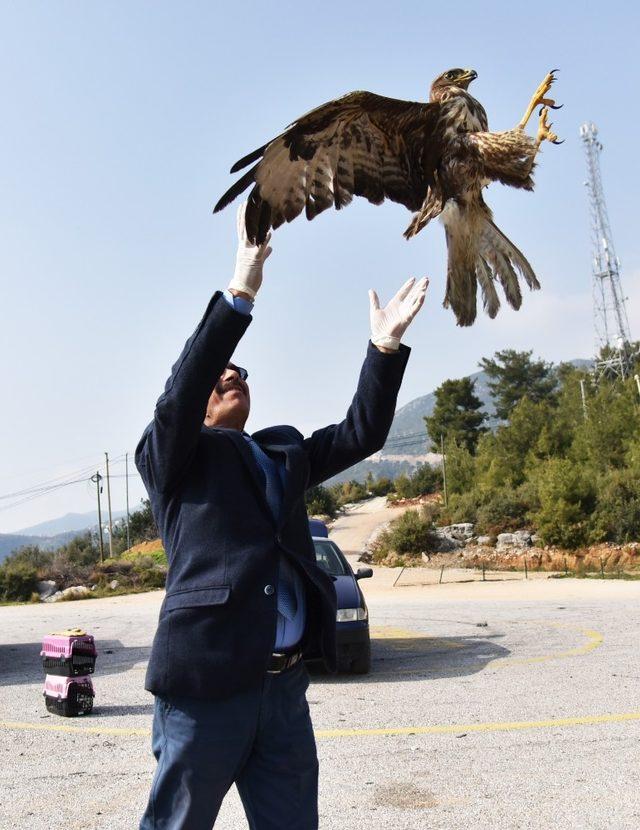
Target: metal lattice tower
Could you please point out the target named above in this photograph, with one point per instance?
(613, 340)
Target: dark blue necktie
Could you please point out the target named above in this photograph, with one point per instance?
(272, 475)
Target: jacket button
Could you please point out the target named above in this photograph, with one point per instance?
(269, 590)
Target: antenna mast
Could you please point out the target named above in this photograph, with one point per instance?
(613, 341)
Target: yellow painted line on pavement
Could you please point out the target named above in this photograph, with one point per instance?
(65, 727)
(508, 726)
(594, 640)
(391, 731)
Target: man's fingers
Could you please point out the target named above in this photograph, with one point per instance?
(404, 291)
(374, 302)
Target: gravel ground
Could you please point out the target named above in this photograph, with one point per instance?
(472, 673)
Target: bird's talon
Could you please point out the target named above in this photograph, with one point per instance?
(539, 98)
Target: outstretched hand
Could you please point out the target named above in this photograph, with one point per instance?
(247, 277)
(388, 324)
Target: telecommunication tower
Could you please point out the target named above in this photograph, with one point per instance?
(613, 341)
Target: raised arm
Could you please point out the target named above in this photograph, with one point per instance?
(167, 445)
(366, 425)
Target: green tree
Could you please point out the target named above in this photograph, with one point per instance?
(456, 415)
(502, 456)
(321, 501)
(513, 376)
(408, 535)
(32, 555)
(566, 495)
(142, 525)
(17, 581)
(426, 479)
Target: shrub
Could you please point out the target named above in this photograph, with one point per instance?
(321, 501)
(349, 492)
(502, 511)
(617, 514)
(462, 507)
(157, 556)
(425, 480)
(410, 535)
(382, 487)
(566, 498)
(17, 581)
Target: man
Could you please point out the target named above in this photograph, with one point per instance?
(245, 597)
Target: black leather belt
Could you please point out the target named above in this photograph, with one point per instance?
(279, 662)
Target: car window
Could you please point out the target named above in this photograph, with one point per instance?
(328, 558)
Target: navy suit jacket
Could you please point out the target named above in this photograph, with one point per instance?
(218, 620)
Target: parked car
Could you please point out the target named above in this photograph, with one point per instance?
(352, 618)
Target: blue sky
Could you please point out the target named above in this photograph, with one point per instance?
(120, 122)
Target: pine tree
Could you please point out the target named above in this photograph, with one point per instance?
(456, 416)
(513, 376)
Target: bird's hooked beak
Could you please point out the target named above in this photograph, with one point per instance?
(465, 80)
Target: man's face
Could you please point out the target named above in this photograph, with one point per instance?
(230, 401)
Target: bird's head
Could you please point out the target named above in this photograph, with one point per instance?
(457, 78)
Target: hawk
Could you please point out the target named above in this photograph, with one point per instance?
(434, 158)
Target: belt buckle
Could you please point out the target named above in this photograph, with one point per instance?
(277, 654)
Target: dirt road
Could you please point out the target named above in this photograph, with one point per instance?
(351, 530)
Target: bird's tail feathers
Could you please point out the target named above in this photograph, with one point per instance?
(505, 259)
(462, 225)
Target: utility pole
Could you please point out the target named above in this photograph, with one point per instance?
(106, 455)
(637, 380)
(97, 478)
(444, 472)
(614, 356)
(126, 478)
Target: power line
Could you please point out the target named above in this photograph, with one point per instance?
(20, 497)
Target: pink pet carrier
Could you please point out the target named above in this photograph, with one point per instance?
(68, 696)
(69, 653)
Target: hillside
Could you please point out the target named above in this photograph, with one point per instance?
(52, 533)
(12, 541)
(408, 442)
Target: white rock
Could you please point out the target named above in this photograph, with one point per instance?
(483, 541)
(74, 592)
(46, 588)
(113, 584)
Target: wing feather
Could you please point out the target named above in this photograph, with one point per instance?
(358, 145)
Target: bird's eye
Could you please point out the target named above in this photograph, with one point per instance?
(450, 75)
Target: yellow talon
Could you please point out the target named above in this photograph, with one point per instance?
(544, 129)
(540, 99)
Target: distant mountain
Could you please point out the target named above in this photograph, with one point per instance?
(408, 443)
(53, 533)
(408, 435)
(10, 542)
(77, 522)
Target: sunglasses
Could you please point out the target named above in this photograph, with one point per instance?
(242, 373)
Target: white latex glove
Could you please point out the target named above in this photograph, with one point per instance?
(250, 258)
(390, 323)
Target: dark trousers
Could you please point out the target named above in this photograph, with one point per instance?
(262, 740)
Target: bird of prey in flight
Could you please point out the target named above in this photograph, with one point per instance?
(434, 158)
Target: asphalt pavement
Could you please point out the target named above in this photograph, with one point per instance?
(490, 705)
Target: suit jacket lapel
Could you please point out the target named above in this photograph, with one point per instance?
(241, 445)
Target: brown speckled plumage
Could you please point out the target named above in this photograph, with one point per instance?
(434, 158)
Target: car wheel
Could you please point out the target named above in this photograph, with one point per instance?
(361, 664)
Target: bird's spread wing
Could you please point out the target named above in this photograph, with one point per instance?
(359, 145)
